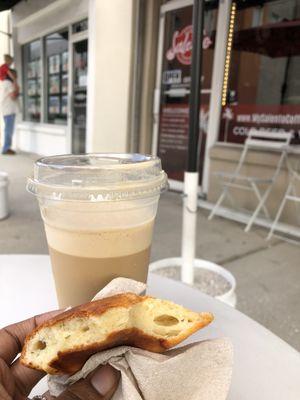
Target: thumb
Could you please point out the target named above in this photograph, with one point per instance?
(105, 380)
(101, 385)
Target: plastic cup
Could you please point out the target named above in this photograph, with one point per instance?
(98, 212)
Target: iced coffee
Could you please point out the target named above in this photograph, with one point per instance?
(99, 213)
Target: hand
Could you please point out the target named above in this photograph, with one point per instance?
(99, 385)
(17, 381)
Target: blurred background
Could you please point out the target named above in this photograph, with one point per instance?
(114, 76)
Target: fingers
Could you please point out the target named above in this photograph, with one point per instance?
(100, 386)
(105, 380)
(25, 378)
(6, 383)
(12, 337)
(11, 341)
(3, 394)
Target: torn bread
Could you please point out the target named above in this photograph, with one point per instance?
(62, 344)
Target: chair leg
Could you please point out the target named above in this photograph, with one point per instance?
(258, 208)
(279, 212)
(218, 203)
(258, 195)
(294, 192)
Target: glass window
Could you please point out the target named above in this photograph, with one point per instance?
(264, 74)
(56, 47)
(80, 26)
(175, 88)
(32, 81)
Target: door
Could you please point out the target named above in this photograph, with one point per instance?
(171, 105)
(79, 96)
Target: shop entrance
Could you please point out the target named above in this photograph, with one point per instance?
(171, 108)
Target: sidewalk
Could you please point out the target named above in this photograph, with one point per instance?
(267, 273)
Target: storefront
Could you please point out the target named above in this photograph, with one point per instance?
(67, 54)
(115, 76)
(250, 78)
(263, 82)
(51, 62)
(51, 51)
(261, 89)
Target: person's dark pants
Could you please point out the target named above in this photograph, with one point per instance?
(9, 124)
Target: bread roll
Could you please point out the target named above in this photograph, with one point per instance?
(63, 344)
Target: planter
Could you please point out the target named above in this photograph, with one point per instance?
(3, 195)
(229, 297)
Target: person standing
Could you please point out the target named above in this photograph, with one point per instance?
(5, 71)
(8, 108)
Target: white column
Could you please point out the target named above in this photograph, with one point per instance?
(189, 222)
(5, 45)
(109, 64)
(215, 105)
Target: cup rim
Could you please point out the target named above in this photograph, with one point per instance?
(103, 177)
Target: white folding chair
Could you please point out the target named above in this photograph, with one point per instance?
(290, 195)
(259, 140)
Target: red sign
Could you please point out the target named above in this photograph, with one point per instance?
(237, 120)
(182, 44)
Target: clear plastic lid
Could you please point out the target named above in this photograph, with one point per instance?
(97, 177)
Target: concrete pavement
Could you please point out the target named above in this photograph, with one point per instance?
(267, 273)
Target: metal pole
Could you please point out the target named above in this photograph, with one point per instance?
(195, 94)
(191, 176)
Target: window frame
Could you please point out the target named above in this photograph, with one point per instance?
(46, 74)
(44, 78)
(25, 81)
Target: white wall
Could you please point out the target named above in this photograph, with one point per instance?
(110, 43)
(41, 139)
(56, 15)
(4, 39)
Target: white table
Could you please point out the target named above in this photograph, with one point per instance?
(265, 367)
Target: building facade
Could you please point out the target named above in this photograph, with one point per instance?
(115, 76)
(68, 55)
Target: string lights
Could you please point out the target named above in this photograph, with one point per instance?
(228, 53)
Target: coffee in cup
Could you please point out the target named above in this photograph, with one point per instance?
(98, 211)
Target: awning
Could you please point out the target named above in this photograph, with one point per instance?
(281, 39)
(7, 4)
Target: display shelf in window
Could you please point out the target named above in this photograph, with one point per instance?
(54, 86)
(32, 87)
(64, 83)
(32, 106)
(56, 51)
(64, 105)
(38, 68)
(31, 61)
(65, 61)
(38, 107)
(54, 64)
(54, 105)
(31, 70)
(38, 87)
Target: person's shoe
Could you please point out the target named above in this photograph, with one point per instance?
(9, 151)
